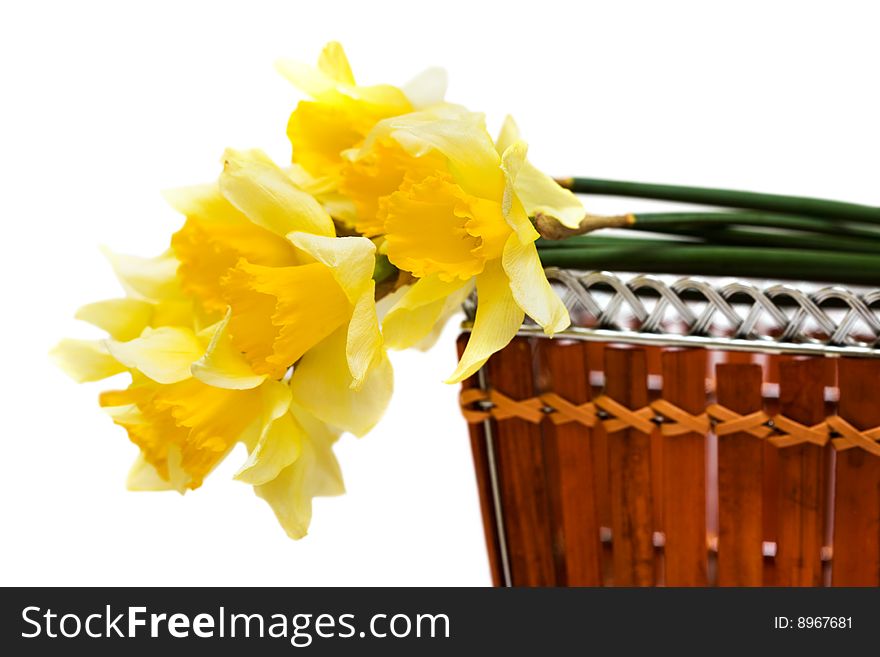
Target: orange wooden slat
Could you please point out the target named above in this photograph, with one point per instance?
(654, 360)
(738, 357)
(740, 499)
(569, 460)
(654, 363)
(856, 560)
(595, 361)
(479, 450)
(629, 462)
(595, 357)
(522, 478)
(800, 495)
(770, 367)
(684, 472)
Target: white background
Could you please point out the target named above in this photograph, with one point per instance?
(105, 104)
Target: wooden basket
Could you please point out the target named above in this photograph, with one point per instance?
(617, 456)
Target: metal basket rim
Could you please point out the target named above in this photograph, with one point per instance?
(763, 316)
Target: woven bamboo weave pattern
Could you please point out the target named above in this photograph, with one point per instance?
(479, 405)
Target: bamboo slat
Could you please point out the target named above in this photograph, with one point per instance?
(800, 496)
(569, 461)
(740, 503)
(595, 362)
(521, 470)
(629, 465)
(856, 560)
(684, 473)
(479, 449)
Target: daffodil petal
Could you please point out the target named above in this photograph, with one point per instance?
(279, 446)
(530, 287)
(207, 248)
(306, 78)
(185, 429)
(314, 185)
(451, 307)
(144, 477)
(382, 99)
(540, 194)
(203, 201)
(413, 317)
(323, 188)
(537, 191)
(223, 366)
(276, 398)
(427, 88)
(146, 278)
(119, 409)
(321, 385)
(334, 64)
(314, 473)
(363, 346)
(164, 354)
(279, 313)
(386, 304)
(507, 136)
(350, 259)
(179, 312)
(280, 439)
(512, 162)
(340, 207)
(270, 401)
(315, 427)
(123, 319)
(497, 321)
(267, 196)
(85, 360)
(459, 135)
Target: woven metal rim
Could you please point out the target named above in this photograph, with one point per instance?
(712, 312)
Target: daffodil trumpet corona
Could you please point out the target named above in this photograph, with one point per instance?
(266, 322)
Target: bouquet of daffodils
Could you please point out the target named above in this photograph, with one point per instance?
(267, 320)
(259, 324)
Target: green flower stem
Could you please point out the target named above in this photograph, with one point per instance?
(732, 235)
(661, 221)
(593, 240)
(711, 260)
(745, 236)
(386, 276)
(796, 205)
(723, 235)
(383, 269)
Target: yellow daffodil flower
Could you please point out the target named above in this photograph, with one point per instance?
(259, 325)
(183, 426)
(295, 292)
(255, 283)
(369, 179)
(461, 213)
(154, 301)
(341, 112)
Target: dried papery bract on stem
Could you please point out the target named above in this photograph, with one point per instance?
(551, 228)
